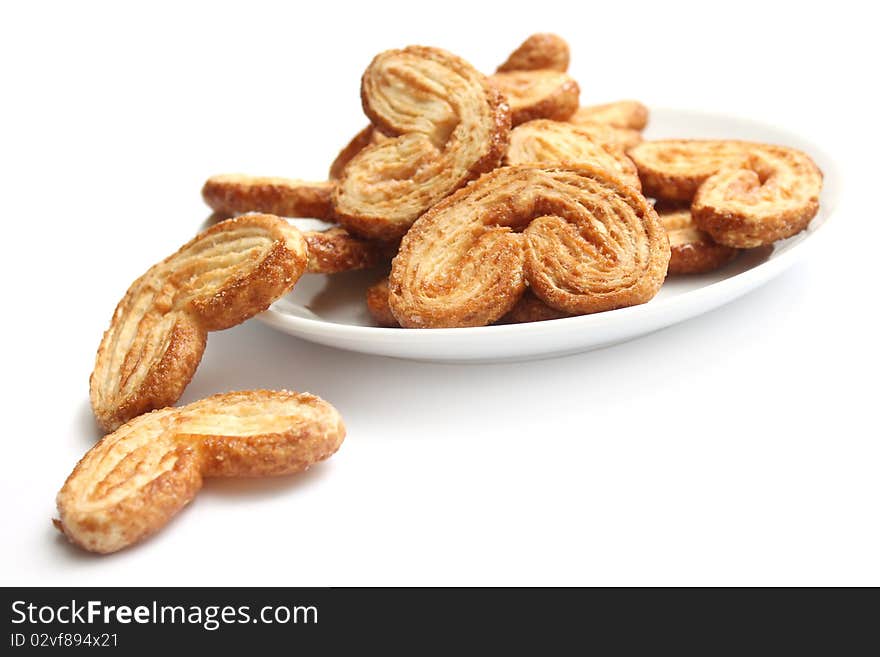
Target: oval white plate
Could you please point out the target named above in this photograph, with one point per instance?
(331, 310)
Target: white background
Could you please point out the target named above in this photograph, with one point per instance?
(737, 448)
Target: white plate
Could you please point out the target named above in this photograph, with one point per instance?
(331, 310)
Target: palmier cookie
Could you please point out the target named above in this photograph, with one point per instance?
(584, 240)
(135, 479)
(539, 51)
(692, 250)
(771, 195)
(623, 114)
(540, 94)
(235, 193)
(226, 274)
(555, 142)
(448, 126)
(744, 194)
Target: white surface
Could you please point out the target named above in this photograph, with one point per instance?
(737, 448)
(330, 310)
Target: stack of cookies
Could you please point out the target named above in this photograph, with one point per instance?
(500, 198)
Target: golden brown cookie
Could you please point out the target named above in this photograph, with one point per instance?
(135, 479)
(539, 51)
(692, 250)
(583, 240)
(448, 126)
(226, 274)
(555, 142)
(623, 114)
(771, 195)
(538, 94)
(285, 197)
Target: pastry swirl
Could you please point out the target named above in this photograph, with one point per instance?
(134, 480)
(539, 51)
(555, 142)
(541, 94)
(692, 250)
(447, 126)
(235, 193)
(583, 240)
(623, 114)
(226, 274)
(771, 195)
